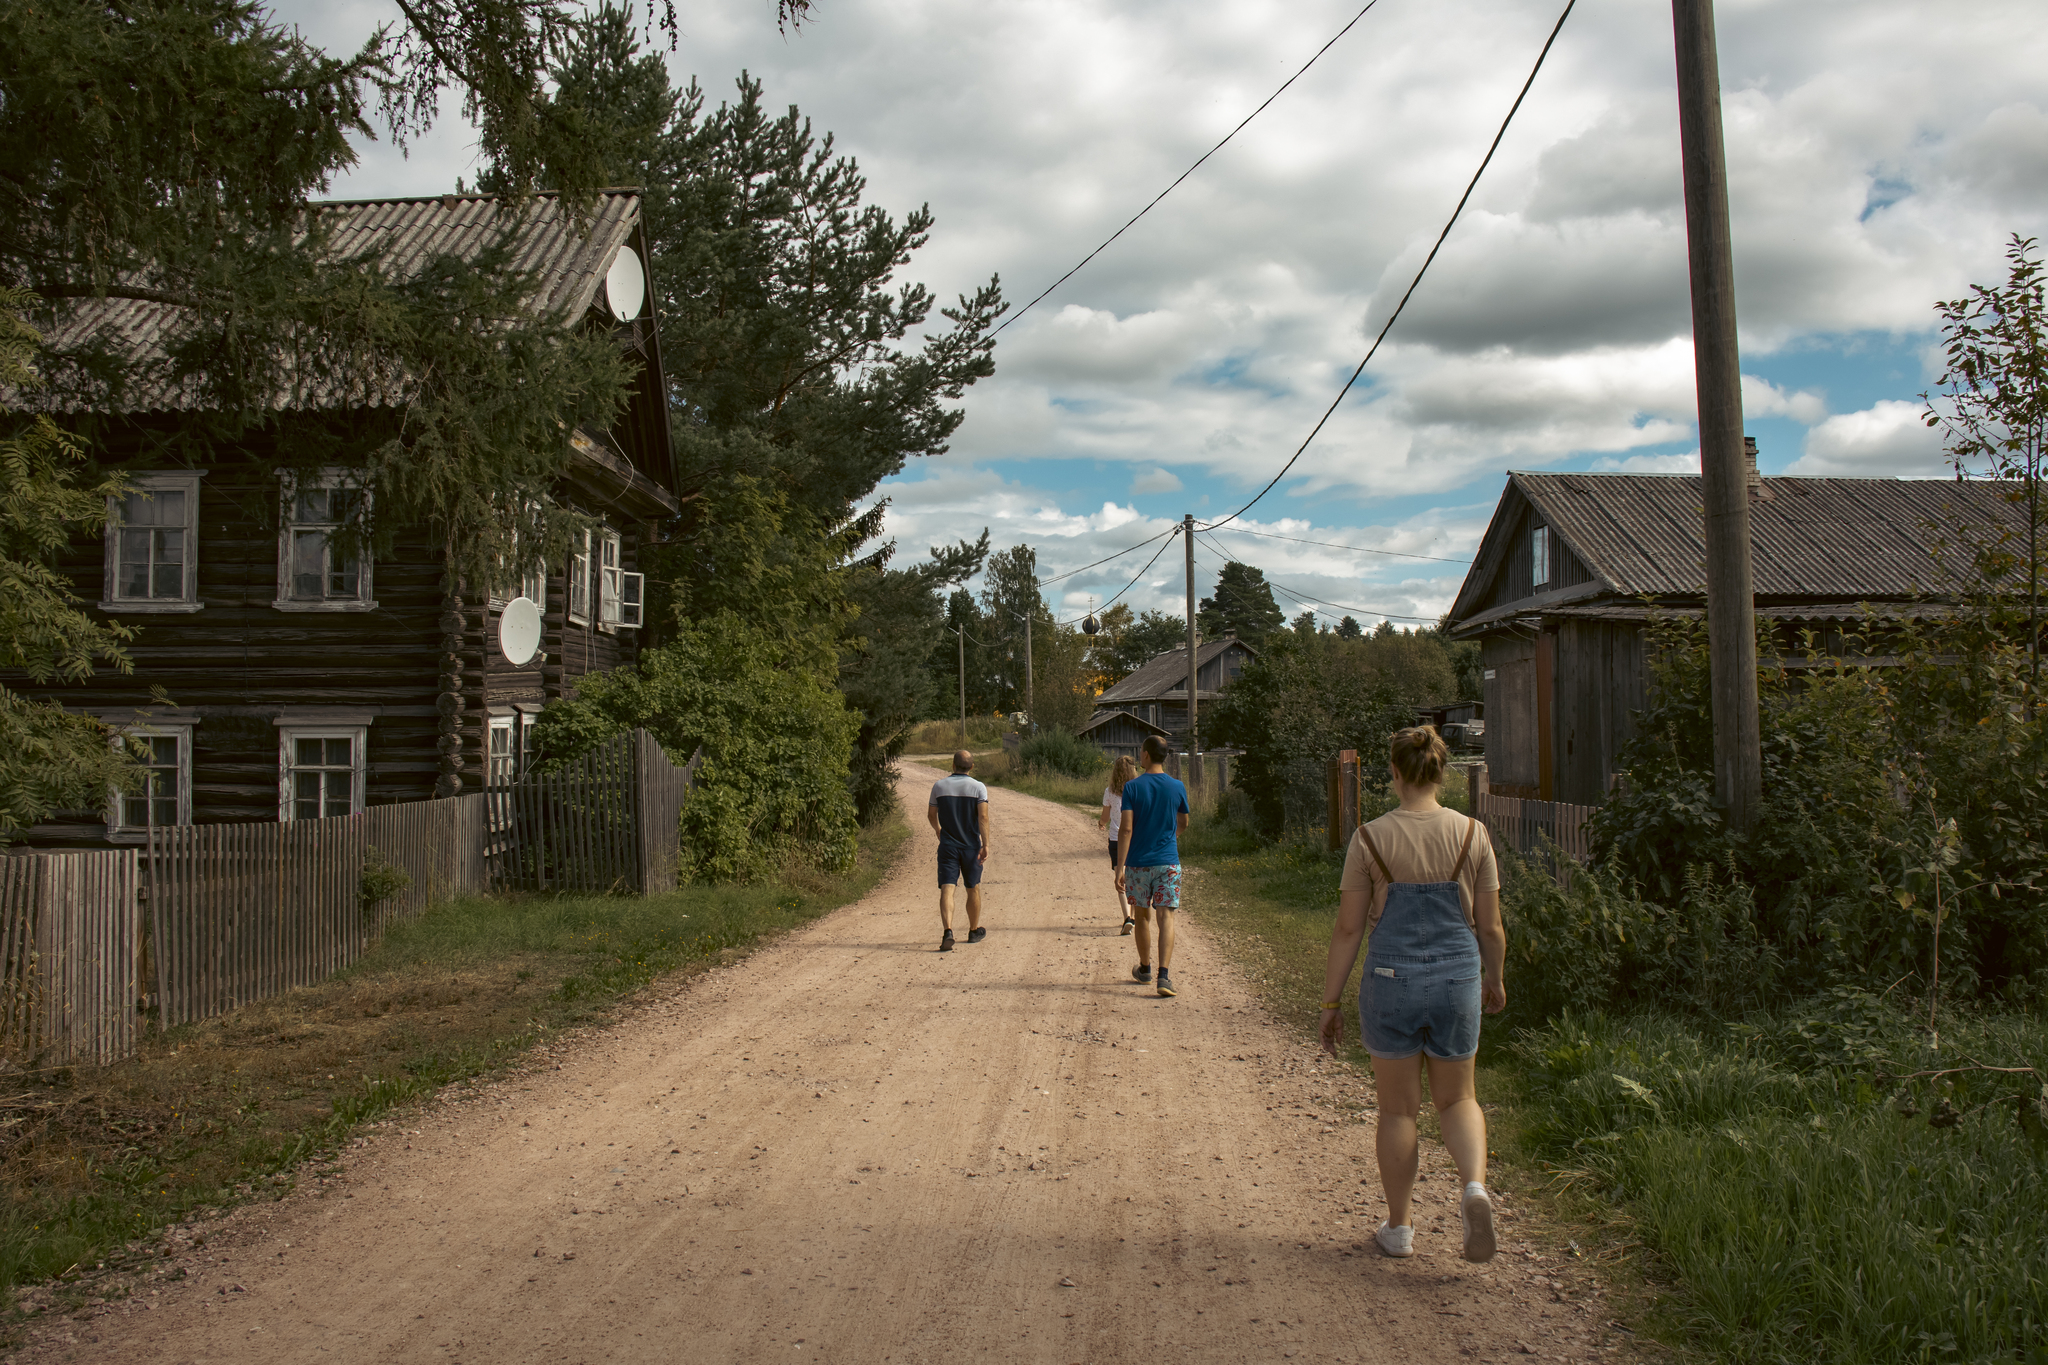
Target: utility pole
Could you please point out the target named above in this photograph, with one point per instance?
(1717, 367)
(1030, 694)
(962, 633)
(1187, 530)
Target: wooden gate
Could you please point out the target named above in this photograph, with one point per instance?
(70, 948)
(609, 821)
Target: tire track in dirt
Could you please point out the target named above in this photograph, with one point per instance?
(850, 1148)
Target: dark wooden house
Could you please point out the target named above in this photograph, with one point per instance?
(308, 680)
(1119, 733)
(1573, 566)
(1157, 693)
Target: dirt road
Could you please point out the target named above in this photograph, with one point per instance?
(851, 1148)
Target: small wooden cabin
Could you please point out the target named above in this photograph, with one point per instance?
(307, 681)
(1119, 733)
(1157, 693)
(1573, 566)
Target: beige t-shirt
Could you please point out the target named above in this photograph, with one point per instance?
(1420, 846)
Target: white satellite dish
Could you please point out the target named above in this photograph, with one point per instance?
(519, 630)
(625, 285)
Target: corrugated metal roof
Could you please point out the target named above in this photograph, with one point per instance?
(570, 259)
(1819, 539)
(1167, 674)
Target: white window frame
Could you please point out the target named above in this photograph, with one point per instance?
(577, 589)
(1539, 556)
(291, 730)
(184, 481)
(289, 487)
(532, 579)
(501, 766)
(610, 555)
(151, 727)
(529, 717)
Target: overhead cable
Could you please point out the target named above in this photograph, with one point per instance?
(1410, 293)
(1188, 172)
(1048, 582)
(1312, 602)
(1128, 586)
(1334, 545)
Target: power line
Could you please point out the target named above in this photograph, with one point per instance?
(1462, 200)
(1312, 602)
(1188, 172)
(1134, 581)
(1360, 549)
(1048, 582)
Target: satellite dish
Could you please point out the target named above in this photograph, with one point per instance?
(625, 285)
(519, 630)
(1089, 625)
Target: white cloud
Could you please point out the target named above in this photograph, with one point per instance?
(1761, 398)
(1156, 481)
(1888, 439)
(1688, 463)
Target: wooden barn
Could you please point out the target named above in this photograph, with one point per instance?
(1157, 693)
(309, 679)
(1119, 733)
(1573, 566)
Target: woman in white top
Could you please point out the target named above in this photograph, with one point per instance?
(1112, 819)
(1422, 881)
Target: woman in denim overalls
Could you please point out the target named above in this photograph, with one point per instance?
(1429, 971)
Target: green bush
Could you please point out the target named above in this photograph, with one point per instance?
(1059, 752)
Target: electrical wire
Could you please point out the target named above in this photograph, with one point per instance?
(1188, 172)
(1048, 582)
(1312, 602)
(1334, 545)
(1128, 586)
(1463, 199)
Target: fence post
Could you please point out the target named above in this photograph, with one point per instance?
(1331, 779)
(1347, 796)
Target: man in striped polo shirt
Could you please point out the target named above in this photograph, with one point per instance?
(959, 816)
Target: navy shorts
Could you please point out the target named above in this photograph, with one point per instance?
(957, 864)
(1112, 853)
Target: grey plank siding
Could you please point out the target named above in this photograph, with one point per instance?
(1599, 685)
(1511, 748)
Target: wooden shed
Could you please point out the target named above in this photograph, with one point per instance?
(1119, 733)
(1157, 693)
(1573, 566)
(308, 680)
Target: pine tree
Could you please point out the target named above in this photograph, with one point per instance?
(1243, 606)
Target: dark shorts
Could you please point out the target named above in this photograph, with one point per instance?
(958, 864)
(1112, 853)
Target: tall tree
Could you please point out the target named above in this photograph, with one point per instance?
(1009, 595)
(1991, 405)
(1243, 605)
(1127, 643)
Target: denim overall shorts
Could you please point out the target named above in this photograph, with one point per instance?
(1420, 991)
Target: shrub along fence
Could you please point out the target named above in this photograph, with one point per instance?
(207, 918)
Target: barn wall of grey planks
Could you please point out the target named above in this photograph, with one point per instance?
(70, 950)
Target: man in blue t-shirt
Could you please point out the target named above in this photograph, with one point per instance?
(959, 816)
(1148, 857)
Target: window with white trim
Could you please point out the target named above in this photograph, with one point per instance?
(528, 578)
(579, 579)
(1539, 556)
(164, 798)
(504, 752)
(320, 562)
(621, 595)
(152, 536)
(322, 771)
(527, 727)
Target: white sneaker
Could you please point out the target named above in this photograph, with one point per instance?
(1395, 1241)
(1475, 1211)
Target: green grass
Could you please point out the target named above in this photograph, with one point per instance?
(1813, 1203)
(94, 1161)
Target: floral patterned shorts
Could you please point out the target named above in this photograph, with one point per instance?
(1157, 888)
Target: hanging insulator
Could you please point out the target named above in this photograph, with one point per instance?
(1090, 626)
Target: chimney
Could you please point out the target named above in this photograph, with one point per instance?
(1756, 480)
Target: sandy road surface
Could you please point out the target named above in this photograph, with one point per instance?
(850, 1148)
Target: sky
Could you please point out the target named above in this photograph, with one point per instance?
(1880, 153)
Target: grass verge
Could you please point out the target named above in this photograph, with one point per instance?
(95, 1160)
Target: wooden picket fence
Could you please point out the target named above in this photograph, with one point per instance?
(439, 844)
(608, 821)
(70, 950)
(1528, 826)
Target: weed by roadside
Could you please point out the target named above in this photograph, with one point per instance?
(94, 1161)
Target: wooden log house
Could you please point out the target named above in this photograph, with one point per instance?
(307, 681)
(1157, 693)
(1573, 567)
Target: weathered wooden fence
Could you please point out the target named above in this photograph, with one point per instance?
(70, 954)
(608, 821)
(439, 844)
(1536, 830)
(1207, 774)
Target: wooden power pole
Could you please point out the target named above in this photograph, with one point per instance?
(1187, 530)
(962, 633)
(1030, 687)
(1717, 366)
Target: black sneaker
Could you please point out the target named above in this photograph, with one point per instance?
(946, 943)
(976, 935)
(1165, 983)
(1129, 924)
(1142, 973)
